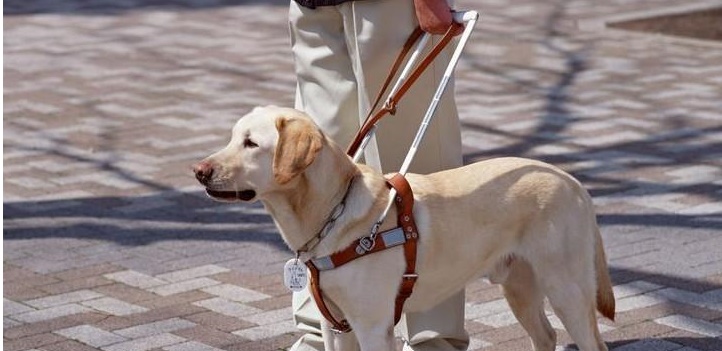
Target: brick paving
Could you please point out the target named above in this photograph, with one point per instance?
(110, 245)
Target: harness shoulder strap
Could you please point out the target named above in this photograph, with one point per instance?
(405, 205)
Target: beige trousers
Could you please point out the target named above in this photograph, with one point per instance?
(342, 56)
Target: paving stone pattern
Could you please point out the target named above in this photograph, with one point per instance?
(110, 245)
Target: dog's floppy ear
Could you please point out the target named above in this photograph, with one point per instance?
(299, 141)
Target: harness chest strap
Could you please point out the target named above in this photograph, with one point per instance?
(406, 234)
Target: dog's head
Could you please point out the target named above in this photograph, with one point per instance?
(269, 148)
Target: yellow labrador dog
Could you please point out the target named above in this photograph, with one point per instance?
(525, 224)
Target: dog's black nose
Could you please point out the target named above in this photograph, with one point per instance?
(203, 171)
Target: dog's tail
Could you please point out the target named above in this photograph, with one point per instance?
(605, 294)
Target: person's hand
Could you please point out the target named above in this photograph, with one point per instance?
(435, 16)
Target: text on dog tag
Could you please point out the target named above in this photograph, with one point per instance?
(295, 276)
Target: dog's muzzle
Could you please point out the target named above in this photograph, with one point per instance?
(204, 172)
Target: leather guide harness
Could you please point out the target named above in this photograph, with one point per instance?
(405, 234)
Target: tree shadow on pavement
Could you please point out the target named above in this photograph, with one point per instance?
(662, 344)
(141, 220)
(116, 7)
(668, 307)
(680, 145)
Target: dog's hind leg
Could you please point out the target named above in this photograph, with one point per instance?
(575, 307)
(527, 302)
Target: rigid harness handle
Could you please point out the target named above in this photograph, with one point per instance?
(468, 17)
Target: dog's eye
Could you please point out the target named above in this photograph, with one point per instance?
(248, 143)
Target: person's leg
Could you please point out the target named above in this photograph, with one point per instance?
(308, 321)
(326, 90)
(326, 87)
(379, 30)
(438, 329)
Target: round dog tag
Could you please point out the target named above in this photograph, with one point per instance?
(294, 275)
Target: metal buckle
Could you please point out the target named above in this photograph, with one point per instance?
(339, 331)
(410, 276)
(365, 245)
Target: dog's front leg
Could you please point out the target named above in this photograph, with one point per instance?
(337, 342)
(376, 337)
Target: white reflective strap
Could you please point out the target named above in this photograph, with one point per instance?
(323, 263)
(393, 237)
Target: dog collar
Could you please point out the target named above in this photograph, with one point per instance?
(330, 222)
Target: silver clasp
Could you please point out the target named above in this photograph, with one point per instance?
(365, 245)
